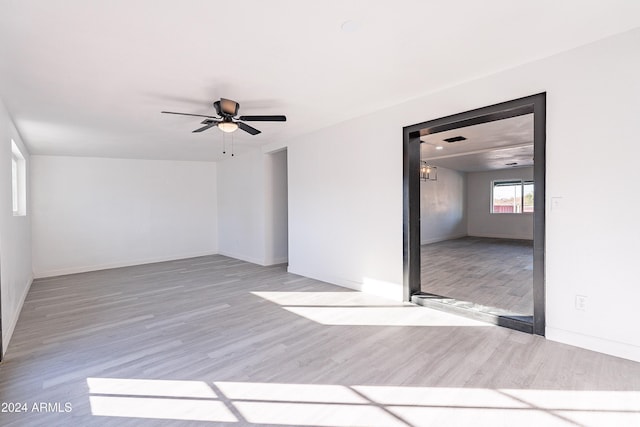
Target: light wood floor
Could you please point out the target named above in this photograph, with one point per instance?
(213, 338)
(492, 272)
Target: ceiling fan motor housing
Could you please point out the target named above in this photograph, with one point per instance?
(226, 107)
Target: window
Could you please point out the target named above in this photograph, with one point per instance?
(512, 196)
(18, 181)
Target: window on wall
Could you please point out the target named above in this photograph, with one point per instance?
(512, 196)
(18, 181)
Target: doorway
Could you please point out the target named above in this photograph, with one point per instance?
(277, 206)
(418, 172)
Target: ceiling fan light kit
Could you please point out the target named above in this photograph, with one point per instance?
(227, 119)
(228, 126)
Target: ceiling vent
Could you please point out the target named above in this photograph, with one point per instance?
(455, 139)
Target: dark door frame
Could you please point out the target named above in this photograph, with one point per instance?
(411, 189)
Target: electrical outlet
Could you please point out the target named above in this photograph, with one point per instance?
(581, 302)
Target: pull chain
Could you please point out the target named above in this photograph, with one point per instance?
(224, 151)
(232, 140)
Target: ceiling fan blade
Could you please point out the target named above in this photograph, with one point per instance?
(210, 125)
(229, 106)
(245, 127)
(263, 118)
(188, 114)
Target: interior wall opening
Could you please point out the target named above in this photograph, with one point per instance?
(277, 227)
(474, 214)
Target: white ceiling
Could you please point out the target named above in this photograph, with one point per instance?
(89, 78)
(488, 146)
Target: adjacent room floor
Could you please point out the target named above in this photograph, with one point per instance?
(491, 272)
(217, 341)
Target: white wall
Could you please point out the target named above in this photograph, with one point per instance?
(345, 189)
(94, 213)
(345, 204)
(15, 233)
(481, 222)
(443, 213)
(241, 207)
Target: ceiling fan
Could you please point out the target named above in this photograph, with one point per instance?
(227, 121)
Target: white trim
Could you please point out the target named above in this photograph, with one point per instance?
(503, 236)
(601, 345)
(442, 239)
(243, 258)
(276, 261)
(386, 290)
(18, 181)
(334, 280)
(8, 333)
(107, 266)
(15, 186)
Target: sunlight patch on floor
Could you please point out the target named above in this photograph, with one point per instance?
(382, 316)
(301, 393)
(141, 387)
(333, 405)
(439, 397)
(581, 399)
(360, 309)
(335, 299)
(157, 399)
(161, 408)
(326, 415)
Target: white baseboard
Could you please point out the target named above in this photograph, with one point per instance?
(382, 289)
(613, 348)
(502, 236)
(442, 238)
(8, 332)
(106, 266)
(334, 280)
(276, 261)
(241, 257)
